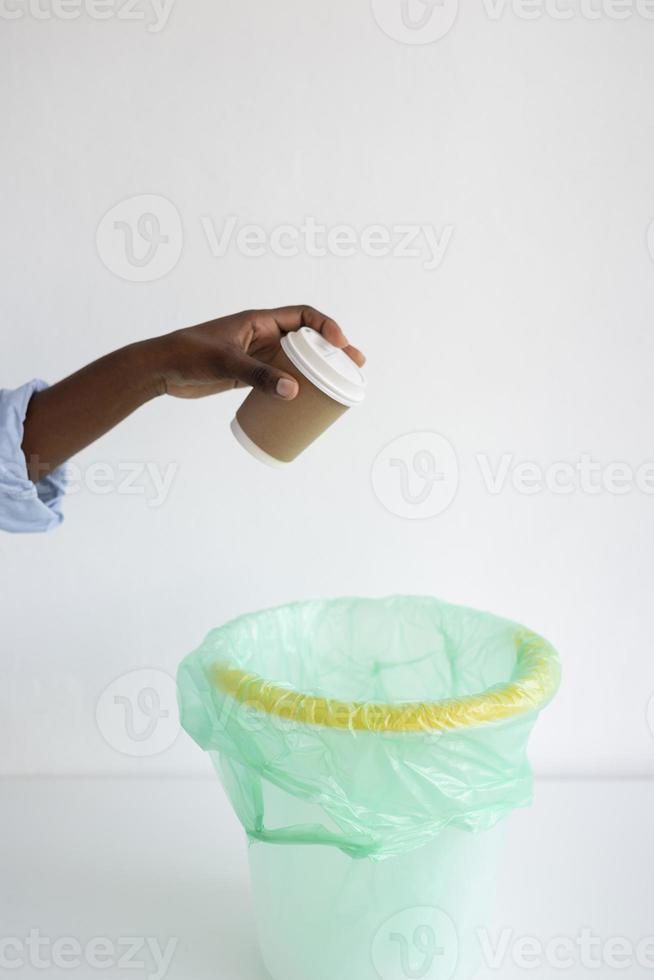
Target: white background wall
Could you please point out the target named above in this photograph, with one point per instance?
(533, 140)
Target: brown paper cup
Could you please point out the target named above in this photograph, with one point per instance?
(281, 430)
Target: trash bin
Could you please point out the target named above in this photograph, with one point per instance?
(370, 748)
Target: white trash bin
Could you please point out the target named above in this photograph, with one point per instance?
(371, 749)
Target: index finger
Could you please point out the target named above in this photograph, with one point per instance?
(290, 318)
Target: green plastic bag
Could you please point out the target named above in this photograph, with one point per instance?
(387, 732)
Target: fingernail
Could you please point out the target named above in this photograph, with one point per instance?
(286, 388)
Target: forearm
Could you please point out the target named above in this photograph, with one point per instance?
(76, 411)
(232, 351)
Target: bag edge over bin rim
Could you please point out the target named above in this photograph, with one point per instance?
(533, 682)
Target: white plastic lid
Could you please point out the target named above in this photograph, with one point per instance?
(326, 366)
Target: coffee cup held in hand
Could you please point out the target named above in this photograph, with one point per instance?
(276, 431)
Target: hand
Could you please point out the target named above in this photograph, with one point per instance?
(228, 353)
(235, 351)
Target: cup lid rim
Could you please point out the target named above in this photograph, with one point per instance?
(327, 367)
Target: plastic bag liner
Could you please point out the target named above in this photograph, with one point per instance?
(386, 730)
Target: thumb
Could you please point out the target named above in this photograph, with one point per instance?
(261, 376)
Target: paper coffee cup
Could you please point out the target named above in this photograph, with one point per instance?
(276, 431)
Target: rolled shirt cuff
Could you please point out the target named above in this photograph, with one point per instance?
(25, 506)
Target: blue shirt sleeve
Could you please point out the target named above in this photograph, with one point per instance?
(25, 506)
